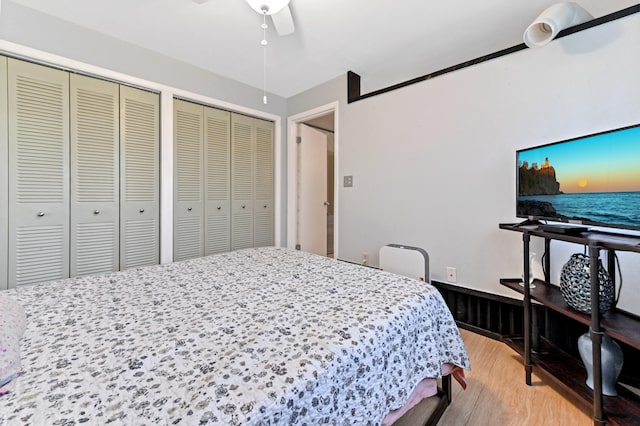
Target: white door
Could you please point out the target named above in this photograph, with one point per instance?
(4, 176)
(38, 173)
(188, 241)
(139, 177)
(312, 191)
(217, 174)
(264, 185)
(243, 142)
(95, 176)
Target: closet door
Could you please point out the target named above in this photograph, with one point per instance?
(94, 176)
(139, 178)
(217, 156)
(188, 235)
(264, 221)
(38, 104)
(4, 175)
(242, 158)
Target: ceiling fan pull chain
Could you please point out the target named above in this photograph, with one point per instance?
(264, 43)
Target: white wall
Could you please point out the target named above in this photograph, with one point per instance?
(25, 26)
(434, 163)
(65, 44)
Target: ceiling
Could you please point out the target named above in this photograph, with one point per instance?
(384, 41)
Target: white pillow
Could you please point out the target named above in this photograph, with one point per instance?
(13, 322)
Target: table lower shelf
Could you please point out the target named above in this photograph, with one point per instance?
(619, 325)
(568, 375)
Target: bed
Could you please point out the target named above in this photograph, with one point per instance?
(258, 336)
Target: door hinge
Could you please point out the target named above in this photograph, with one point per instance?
(298, 139)
(297, 246)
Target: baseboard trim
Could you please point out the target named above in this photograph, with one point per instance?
(500, 318)
(490, 315)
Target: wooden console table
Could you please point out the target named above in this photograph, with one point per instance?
(563, 369)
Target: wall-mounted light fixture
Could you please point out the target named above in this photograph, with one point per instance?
(554, 19)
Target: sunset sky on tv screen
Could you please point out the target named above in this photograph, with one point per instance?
(608, 162)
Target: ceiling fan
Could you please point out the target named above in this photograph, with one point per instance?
(277, 9)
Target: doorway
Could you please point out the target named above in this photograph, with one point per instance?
(312, 194)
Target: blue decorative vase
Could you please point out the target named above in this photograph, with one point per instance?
(612, 360)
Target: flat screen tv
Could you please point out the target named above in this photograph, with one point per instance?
(590, 180)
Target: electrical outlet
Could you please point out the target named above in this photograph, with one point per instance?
(451, 274)
(348, 181)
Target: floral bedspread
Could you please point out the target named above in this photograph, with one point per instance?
(259, 336)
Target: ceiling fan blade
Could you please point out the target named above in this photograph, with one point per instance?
(283, 21)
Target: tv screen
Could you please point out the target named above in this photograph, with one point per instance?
(593, 180)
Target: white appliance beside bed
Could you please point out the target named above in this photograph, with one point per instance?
(257, 336)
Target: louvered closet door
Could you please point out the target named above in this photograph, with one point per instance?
(264, 221)
(4, 176)
(38, 173)
(139, 178)
(217, 180)
(95, 211)
(188, 235)
(242, 154)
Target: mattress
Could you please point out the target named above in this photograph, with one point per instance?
(259, 336)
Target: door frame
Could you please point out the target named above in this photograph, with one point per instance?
(292, 172)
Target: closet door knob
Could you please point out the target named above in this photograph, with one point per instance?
(265, 206)
(244, 207)
(141, 210)
(40, 214)
(219, 207)
(96, 212)
(189, 208)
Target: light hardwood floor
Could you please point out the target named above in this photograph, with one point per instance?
(497, 394)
